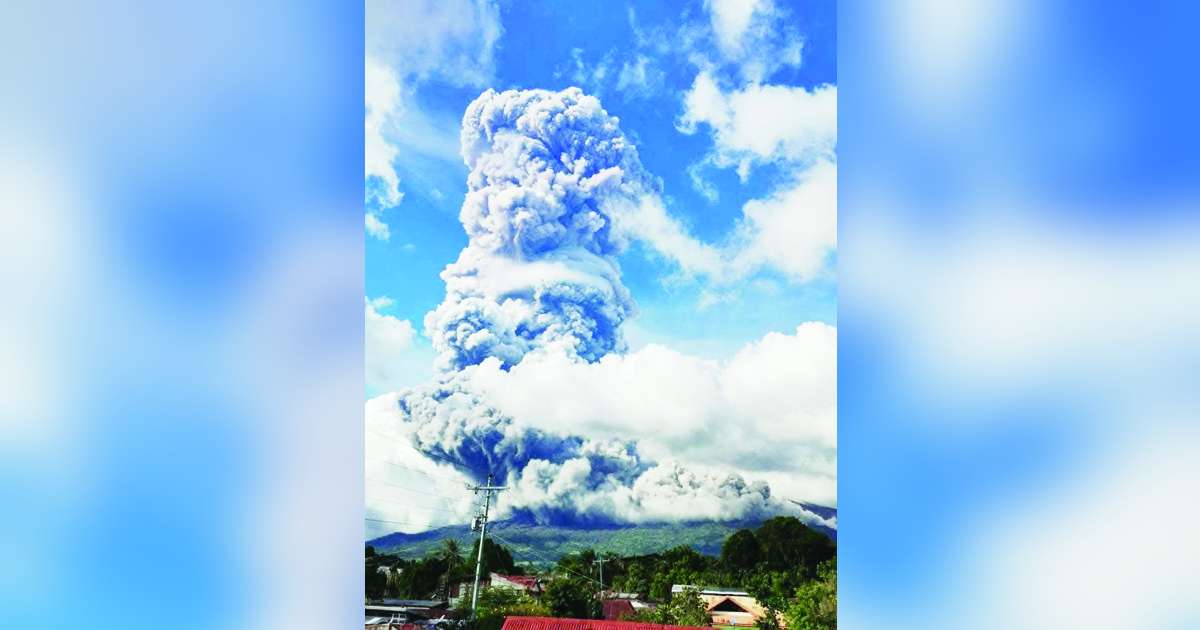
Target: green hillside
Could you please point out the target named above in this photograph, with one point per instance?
(536, 544)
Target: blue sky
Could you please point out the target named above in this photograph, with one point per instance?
(557, 45)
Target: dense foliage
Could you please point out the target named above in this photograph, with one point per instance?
(552, 541)
(771, 562)
(683, 609)
(495, 558)
(814, 606)
(429, 577)
(497, 603)
(789, 568)
(741, 551)
(376, 580)
(572, 597)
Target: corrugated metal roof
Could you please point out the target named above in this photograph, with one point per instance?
(555, 623)
(618, 609)
(708, 590)
(413, 603)
(527, 581)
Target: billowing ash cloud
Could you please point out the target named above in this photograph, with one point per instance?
(557, 478)
(452, 423)
(539, 278)
(539, 270)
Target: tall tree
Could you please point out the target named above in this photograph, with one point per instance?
(376, 582)
(635, 580)
(582, 563)
(497, 603)
(814, 606)
(684, 609)
(495, 558)
(787, 544)
(572, 597)
(451, 556)
(741, 551)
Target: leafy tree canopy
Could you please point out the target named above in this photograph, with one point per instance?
(496, 558)
(572, 597)
(683, 609)
(814, 606)
(741, 551)
(497, 603)
(787, 544)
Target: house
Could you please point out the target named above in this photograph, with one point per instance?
(528, 583)
(389, 623)
(619, 606)
(555, 623)
(727, 606)
(458, 591)
(398, 611)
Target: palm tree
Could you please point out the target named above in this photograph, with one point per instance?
(451, 555)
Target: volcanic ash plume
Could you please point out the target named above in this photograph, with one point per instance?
(549, 172)
(539, 270)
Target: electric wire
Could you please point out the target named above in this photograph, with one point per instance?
(530, 551)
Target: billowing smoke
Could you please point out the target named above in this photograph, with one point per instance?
(549, 172)
(539, 270)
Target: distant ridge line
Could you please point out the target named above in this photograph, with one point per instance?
(706, 537)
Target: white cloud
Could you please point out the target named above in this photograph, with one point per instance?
(640, 77)
(779, 394)
(624, 74)
(755, 36)
(763, 123)
(589, 75)
(383, 104)
(408, 490)
(388, 340)
(650, 222)
(377, 228)
(408, 43)
(731, 18)
(795, 229)
(451, 40)
(633, 73)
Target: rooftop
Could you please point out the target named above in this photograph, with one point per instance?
(554, 623)
(408, 603)
(528, 581)
(710, 590)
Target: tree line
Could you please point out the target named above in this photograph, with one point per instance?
(789, 568)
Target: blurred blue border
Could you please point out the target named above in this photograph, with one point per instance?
(205, 341)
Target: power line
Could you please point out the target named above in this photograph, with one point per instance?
(427, 454)
(530, 551)
(416, 507)
(390, 522)
(444, 459)
(407, 489)
(418, 471)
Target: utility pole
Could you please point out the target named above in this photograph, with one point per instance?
(600, 560)
(481, 522)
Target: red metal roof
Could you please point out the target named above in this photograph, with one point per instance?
(528, 581)
(555, 623)
(617, 609)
